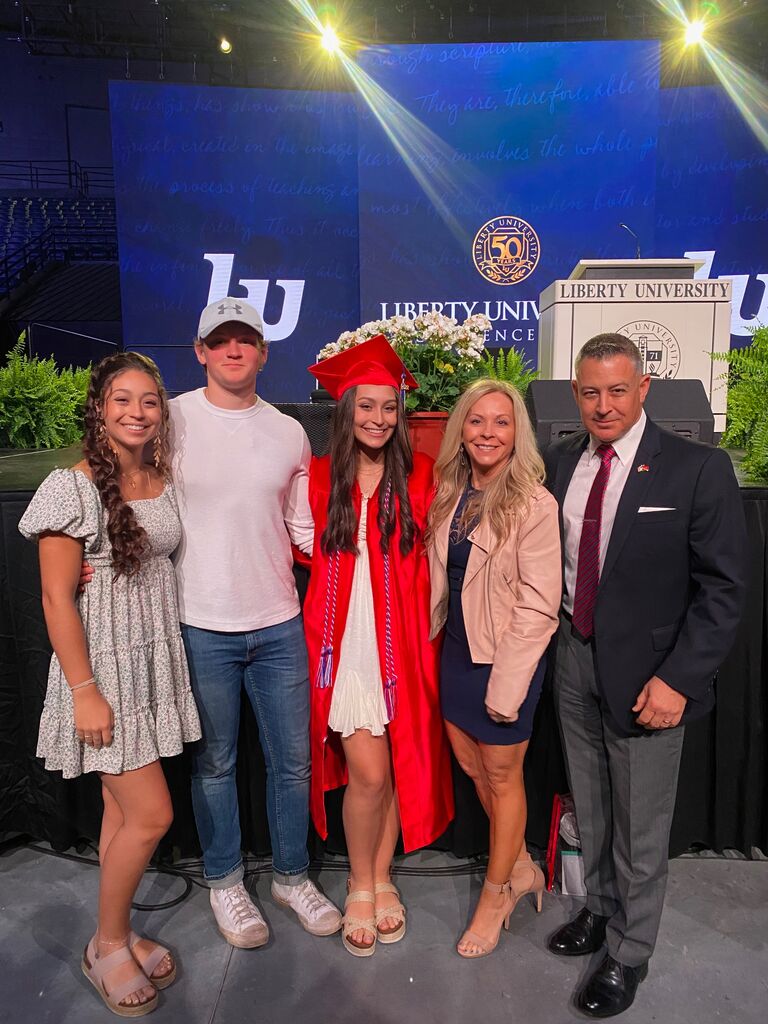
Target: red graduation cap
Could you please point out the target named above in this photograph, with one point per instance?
(372, 362)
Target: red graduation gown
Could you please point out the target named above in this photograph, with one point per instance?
(417, 738)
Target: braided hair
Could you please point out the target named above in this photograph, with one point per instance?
(128, 540)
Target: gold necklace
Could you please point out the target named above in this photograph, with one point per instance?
(129, 477)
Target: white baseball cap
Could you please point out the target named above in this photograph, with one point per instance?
(227, 310)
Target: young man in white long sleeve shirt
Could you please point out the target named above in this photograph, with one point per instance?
(241, 474)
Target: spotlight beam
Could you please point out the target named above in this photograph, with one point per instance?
(449, 182)
(748, 92)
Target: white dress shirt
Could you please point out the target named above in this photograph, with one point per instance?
(578, 492)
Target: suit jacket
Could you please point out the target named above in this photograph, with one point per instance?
(671, 590)
(510, 598)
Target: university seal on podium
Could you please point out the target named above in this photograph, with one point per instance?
(506, 250)
(658, 347)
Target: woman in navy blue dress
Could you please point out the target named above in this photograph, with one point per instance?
(494, 549)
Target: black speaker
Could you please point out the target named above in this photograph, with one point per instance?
(316, 420)
(680, 406)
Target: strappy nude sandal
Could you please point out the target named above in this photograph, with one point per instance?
(527, 877)
(486, 946)
(95, 968)
(352, 924)
(152, 961)
(396, 911)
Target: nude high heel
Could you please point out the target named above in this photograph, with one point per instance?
(487, 946)
(527, 877)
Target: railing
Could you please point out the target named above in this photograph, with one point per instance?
(56, 243)
(68, 348)
(38, 175)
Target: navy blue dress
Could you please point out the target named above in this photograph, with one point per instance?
(462, 682)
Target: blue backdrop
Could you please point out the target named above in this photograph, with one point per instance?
(263, 183)
(302, 202)
(561, 135)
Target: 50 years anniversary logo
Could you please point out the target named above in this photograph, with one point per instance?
(506, 250)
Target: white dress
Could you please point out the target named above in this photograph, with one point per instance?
(358, 693)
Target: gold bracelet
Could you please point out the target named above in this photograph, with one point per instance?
(79, 686)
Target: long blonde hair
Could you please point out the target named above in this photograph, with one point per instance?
(509, 494)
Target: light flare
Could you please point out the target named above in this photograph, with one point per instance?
(330, 41)
(694, 33)
(452, 185)
(748, 91)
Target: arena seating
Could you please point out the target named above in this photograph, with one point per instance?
(24, 218)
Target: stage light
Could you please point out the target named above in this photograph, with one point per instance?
(225, 46)
(694, 33)
(329, 40)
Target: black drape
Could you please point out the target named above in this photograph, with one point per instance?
(723, 792)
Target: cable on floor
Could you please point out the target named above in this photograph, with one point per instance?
(191, 871)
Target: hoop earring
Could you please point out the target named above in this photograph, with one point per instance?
(157, 444)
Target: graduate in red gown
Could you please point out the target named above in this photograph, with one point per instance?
(376, 722)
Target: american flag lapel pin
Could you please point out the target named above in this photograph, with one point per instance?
(642, 468)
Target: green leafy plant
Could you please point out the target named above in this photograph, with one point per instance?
(510, 366)
(747, 415)
(41, 406)
(443, 355)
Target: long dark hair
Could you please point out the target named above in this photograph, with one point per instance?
(128, 540)
(339, 533)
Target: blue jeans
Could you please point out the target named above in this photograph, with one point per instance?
(272, 665)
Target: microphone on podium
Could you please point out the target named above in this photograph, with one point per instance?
(637, 240)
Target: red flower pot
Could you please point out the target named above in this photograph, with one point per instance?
(426, 430)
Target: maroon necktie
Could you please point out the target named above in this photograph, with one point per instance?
(588, 567)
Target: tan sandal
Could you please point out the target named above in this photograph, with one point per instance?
(352, 924)
(484, 945)
(527, 877)
(152, 961)
(95, 968)
(396, 911)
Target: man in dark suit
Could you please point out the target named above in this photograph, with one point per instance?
(654, 570)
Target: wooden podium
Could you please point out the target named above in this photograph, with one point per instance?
(675, 321)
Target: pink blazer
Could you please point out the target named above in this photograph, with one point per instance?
(510, 598)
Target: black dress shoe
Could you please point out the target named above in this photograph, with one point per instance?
(611, 989)
(584, 934)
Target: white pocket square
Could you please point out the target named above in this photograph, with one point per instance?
(657, 508)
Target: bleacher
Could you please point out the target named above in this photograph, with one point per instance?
(59, 277)
(25, 218)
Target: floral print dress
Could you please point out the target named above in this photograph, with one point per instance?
(131, 629)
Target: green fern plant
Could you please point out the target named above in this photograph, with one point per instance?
(41, 406)
(747, 413)
(510, 366)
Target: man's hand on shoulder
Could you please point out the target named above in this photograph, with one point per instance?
(659, 706)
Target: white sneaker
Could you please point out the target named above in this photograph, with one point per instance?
(316, 913)
(238, 918)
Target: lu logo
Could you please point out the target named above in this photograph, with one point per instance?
(221, 275)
